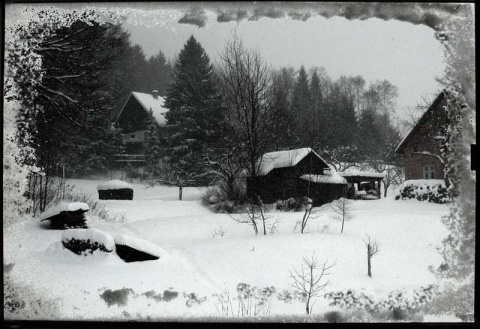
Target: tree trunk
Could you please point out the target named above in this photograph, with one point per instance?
(40, 194)
(343, 222)
(369, 257)
(180, 188)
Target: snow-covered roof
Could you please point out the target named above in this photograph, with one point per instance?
(63, 206)
(282, 159)
(333, 178)
(360, 173)
(113, 185)
(147, 101)
(138, 244)
(156, 104)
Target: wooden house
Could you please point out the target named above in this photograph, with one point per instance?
(293, 174)
(419, 147)
(134, 118)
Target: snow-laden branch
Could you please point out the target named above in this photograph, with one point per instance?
(431, 154)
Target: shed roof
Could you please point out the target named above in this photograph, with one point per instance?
(147, 101)
(283, 159)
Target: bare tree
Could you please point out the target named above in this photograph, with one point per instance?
(307, 213)
(245, 83)
(309, 278)
(372, 250)
(253, 212)
(342, 210)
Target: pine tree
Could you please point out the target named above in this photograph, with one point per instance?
(194, 115)
(153, 151)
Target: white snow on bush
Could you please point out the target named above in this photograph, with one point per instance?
(138, 244)
(114, 185)
(282, 159)
(431, 183)
(63, 206)
(332, 178)
(91, 234)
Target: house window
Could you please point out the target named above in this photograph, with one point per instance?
(428, 172)
(415, 147)
(132, 136)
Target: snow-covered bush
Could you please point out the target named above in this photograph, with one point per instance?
(167, 296)
(396, 300)
(116, 297)
(455, 299)
(334, 317)
(433, 190)
(86, 241)
(295, 204)
(22, 302)
(218, 200)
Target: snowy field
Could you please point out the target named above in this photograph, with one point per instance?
(196, 261)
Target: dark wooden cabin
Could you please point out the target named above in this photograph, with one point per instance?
(134, 118)
(280, 178)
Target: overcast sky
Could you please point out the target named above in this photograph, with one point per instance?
(407, 55)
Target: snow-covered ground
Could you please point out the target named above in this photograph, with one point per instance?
(197, 260)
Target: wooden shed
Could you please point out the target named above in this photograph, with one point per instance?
(363, 182)
(280, 177)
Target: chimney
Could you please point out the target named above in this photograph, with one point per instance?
(155, 93)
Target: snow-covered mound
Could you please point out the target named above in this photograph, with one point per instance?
(432, 190)
(114, 185)
(91, 235)
(63, 206)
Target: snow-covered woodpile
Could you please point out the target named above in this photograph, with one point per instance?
(66, 215)
(115, 190)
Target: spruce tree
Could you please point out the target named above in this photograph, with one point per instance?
(194, 115)
(300, 106)
(318, 122)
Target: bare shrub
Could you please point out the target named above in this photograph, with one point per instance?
(97, 208)
(373, 248)
(342, 210)
(249, 301)
(309, 279)
(219, 232)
